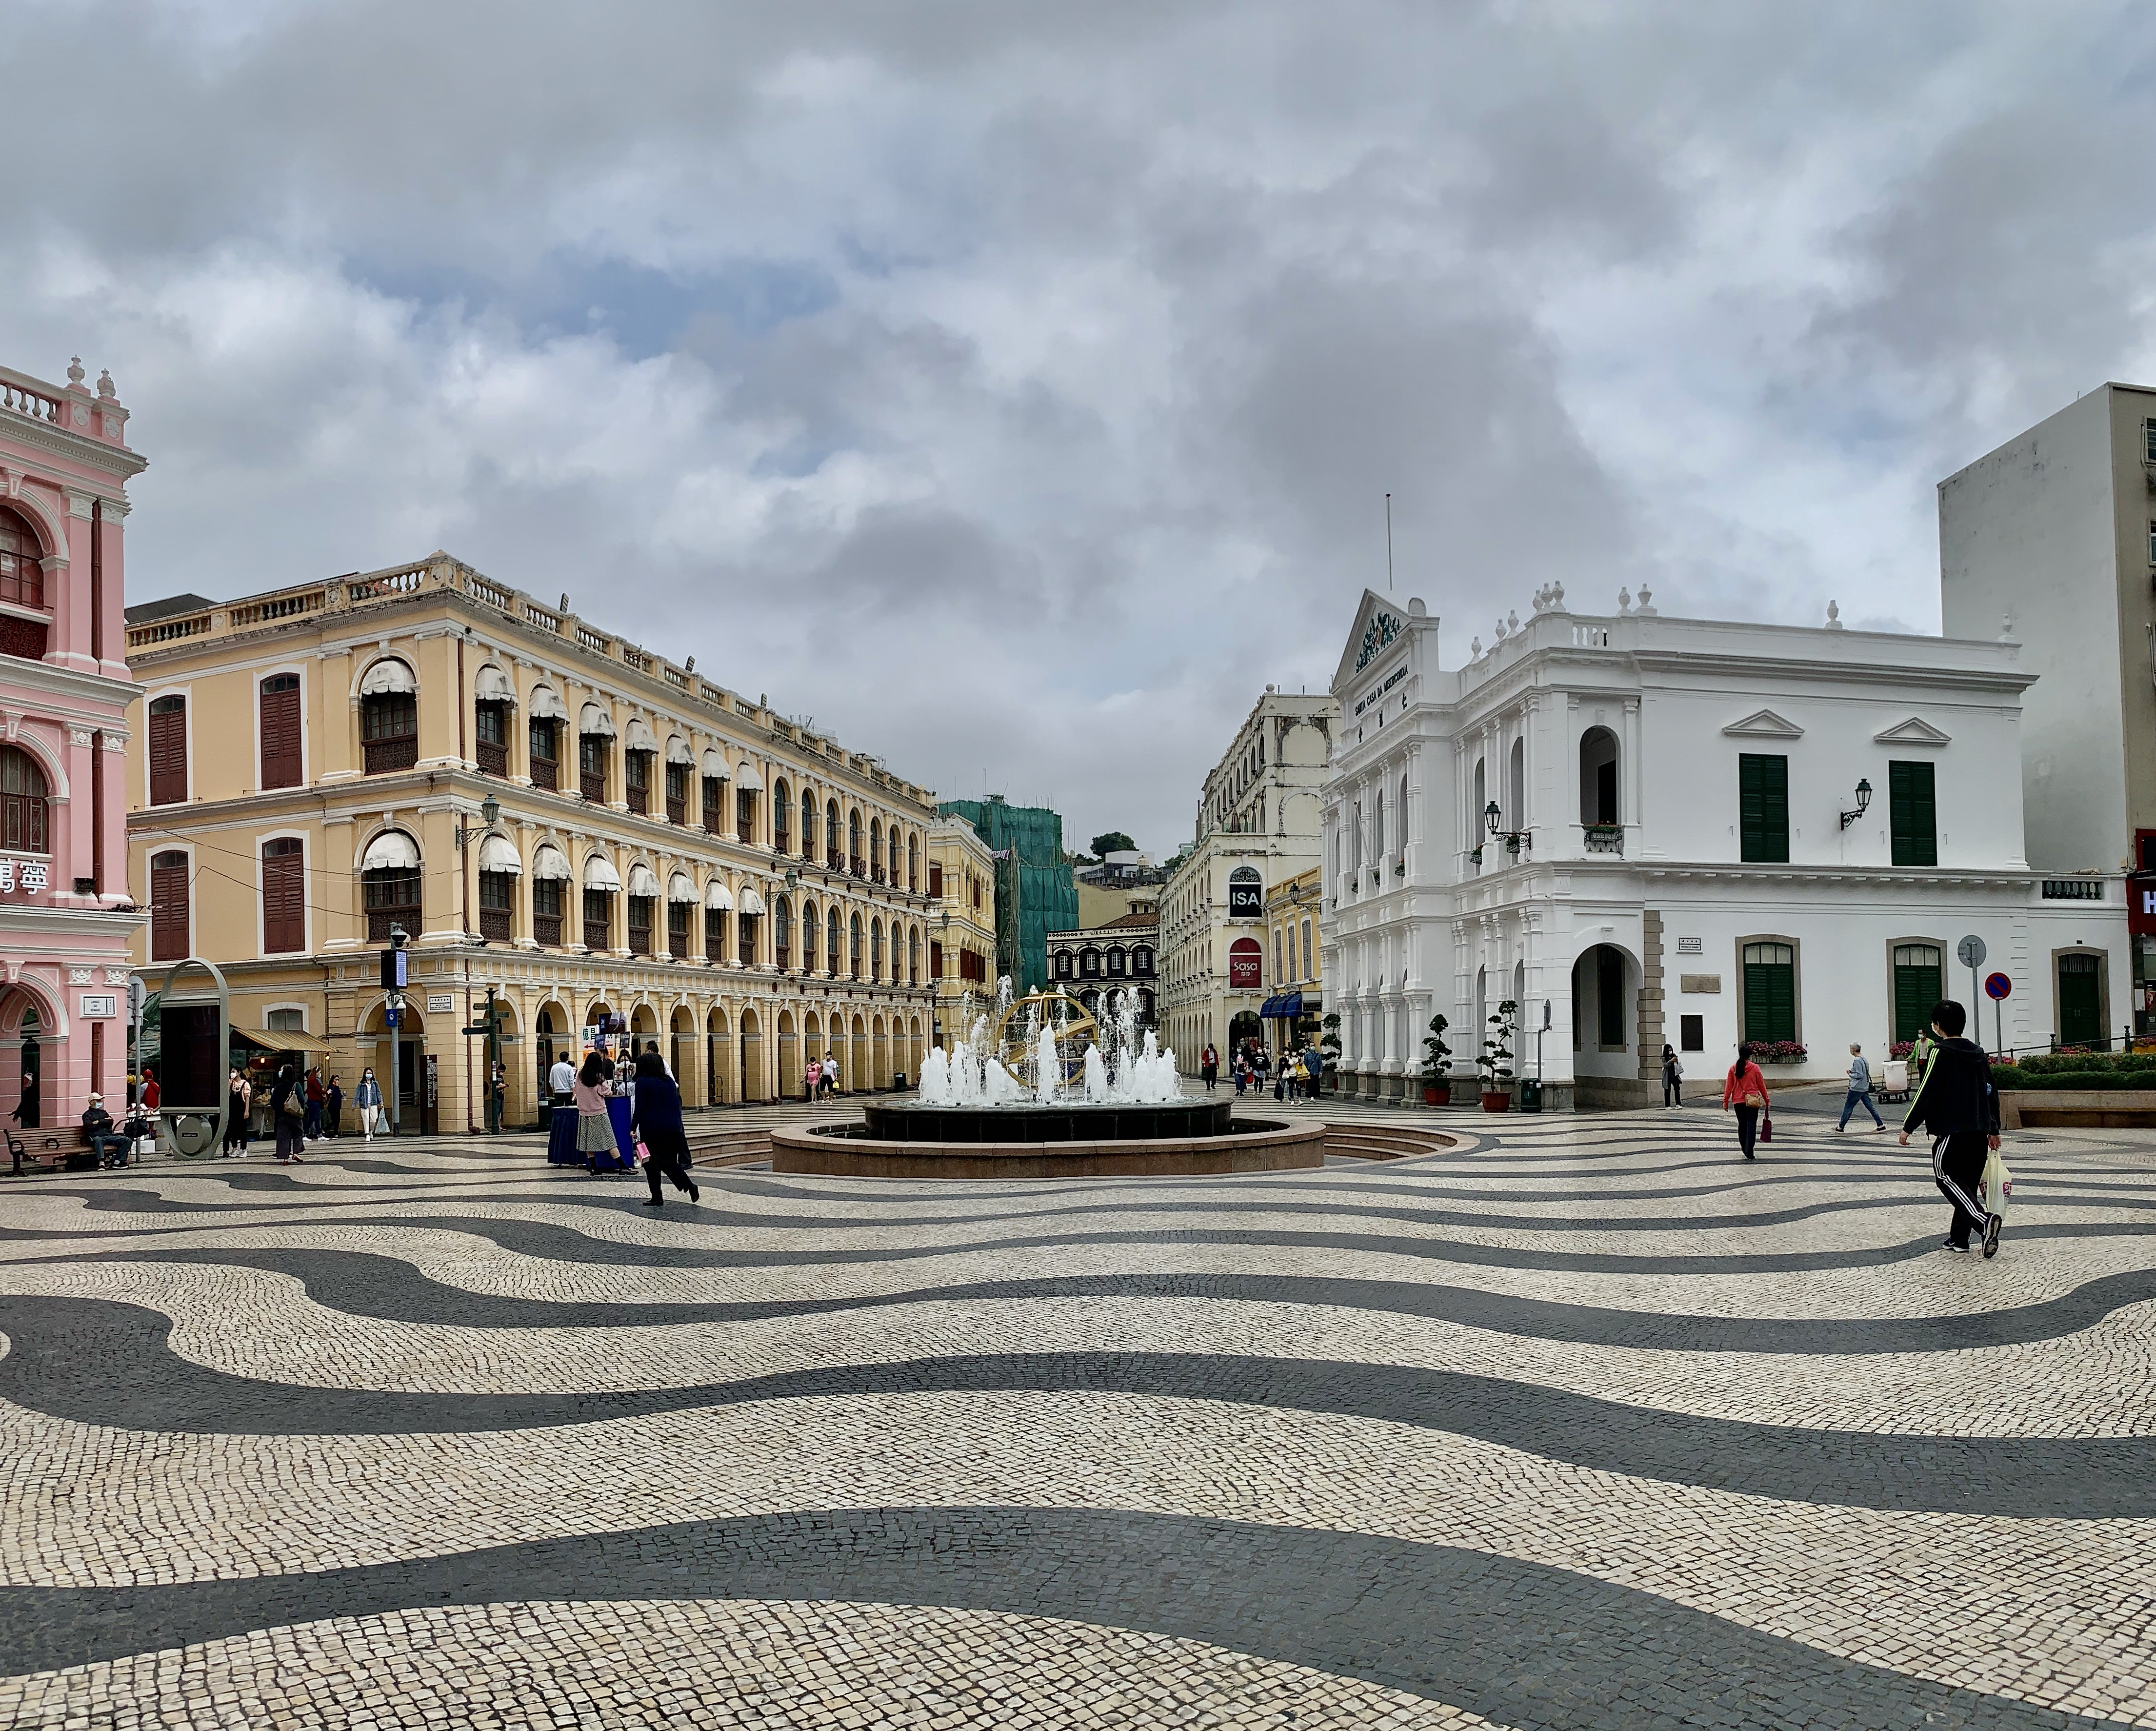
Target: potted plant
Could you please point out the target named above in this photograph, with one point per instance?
(1496, 1062)
(1436, 1065)
(1329, 1050)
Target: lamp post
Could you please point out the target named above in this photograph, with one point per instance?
(1863, 803)
(1494, 818)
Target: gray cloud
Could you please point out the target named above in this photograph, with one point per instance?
(1015, 390)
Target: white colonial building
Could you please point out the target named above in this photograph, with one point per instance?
(1686, 830)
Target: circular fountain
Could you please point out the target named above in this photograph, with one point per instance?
(1016, 1100)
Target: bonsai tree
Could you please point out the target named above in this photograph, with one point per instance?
(1436, 1055)
(1496, 1062)
(1328, 1047)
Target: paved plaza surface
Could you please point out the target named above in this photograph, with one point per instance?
(1583, 1422)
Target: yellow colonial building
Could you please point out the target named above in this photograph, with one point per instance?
(962, 933)
(545, 808)
(1294, 1010)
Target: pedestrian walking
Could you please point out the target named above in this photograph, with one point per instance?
(1208, 1067)
(1672, 1079)
(149, 1089)
(315, 1098)
(1242, 1075)
(240, 1099)
(830, 1077)
(368, 1097)
(594, 1124)
(1744, 1091)
(1959, 1107)
(288, 1113)
(812, 1080)
(333, 1107)
(1860, 1091)
(649, 1062)
(657, 1120)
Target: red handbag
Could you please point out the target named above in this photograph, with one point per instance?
(1766, 1127)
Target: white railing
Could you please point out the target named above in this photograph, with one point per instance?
(493, 594)
(377, 583)
(29, 396)
(1590, 636)
(276, 607)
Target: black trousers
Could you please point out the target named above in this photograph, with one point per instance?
(1672, 1090)
(1748, 1128)
(1958, 1169)
(668, 1157)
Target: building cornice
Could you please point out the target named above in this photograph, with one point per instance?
(56, 681)
(113, 459)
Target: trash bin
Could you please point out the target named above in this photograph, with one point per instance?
(898, 1080)
(1531, 1094)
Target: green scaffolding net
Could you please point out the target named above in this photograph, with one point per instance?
(1036, 893)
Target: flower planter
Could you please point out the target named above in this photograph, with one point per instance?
(1495, 1101)
(1437, 1093)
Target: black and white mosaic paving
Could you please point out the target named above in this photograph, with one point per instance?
(1584, 1422)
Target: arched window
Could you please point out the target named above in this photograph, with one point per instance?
(810, 931)
(875, 849)
(912, 863)
(832, 857)
(389, 885)
(21, 566)
(782, 914)
(25, 803)
(1378, 829)
(1597, 778)
(853, 949)
(1089, 963)
(832, 933)
(169, 906)
(894, 871)
(1515, 787)
(1475, 831)
(875, 951)
(913, 956)
(808, 826)
(389, 717)
(284, 896)
(168, 750)
(854, 863)
(781, 816)
(278, 705)
(1115, 958)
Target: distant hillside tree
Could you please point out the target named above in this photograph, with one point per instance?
(1114, 841)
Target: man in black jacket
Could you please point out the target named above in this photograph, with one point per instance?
(1959, 1107)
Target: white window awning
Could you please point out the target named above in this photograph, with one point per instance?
(637, 738)
(680, 890)
(599, 875)
(751, 902)
(714, 766)
(718, 898)
(387, 676)
(547, 705)
(493, 686)
(748, 780)
(591, 719)
(498, 853)
(392, 850)
(677, 750)
(549, 865)
(641, 882)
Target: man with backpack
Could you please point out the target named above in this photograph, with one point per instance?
(1959, 1107)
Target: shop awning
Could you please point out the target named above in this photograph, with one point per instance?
(284, 1039)
(637, 738)
(498, 854)
(547, 705)
(392, 850)
(387, 676)
(751, 902)
(717, 897)
(549, 865)
(493, 686)
(1286, 1007)
(591, 719)
(677, 750)
(642, 882)
(599, 875)
(679, 889)
(749, 781)
(714, 766)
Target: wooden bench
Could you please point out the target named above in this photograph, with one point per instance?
(56, 1150)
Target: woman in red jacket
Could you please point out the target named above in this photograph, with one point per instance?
(1744, 1089)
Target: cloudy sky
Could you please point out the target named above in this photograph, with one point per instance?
(1014, 388)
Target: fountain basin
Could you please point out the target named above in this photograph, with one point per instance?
(1048, 1141)
(1182, 1119)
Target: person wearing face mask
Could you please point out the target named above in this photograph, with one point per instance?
(368, 1097)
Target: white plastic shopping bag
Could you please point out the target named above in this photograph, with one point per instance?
(1998, 1187)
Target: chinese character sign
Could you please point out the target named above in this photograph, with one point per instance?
(29, 875)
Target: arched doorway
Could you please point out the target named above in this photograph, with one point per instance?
(681, 1032)
(751, 1057)
(789, 1057)
(718, 1058)
(1245, 1030)
(880, 1047)
(550, 1040)
(22, 1030)
(857, 1059)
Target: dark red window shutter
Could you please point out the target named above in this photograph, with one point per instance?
(168, 751)
(280, 731)
(284, 896)
(168, 907)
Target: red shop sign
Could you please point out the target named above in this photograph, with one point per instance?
(1245, 964)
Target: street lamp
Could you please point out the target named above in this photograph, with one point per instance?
(490, 811)
(1863, 803)
(1512, 839)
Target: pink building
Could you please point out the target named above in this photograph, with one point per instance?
(65, 914)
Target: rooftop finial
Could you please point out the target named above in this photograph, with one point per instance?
(1646, 602)
(1624, 601)
(1833, 616)
(105, 388)
(75, 369)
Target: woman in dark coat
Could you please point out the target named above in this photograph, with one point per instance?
(287, 1117)
(657, 1119)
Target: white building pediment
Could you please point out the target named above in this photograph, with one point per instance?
(1764, 724)
(1381, 621)
(1916, 731)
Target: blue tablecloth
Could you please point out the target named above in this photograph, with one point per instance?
(561, 1148)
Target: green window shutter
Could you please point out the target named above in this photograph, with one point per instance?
(1915, 990)
(1762, 809)
(1914, 814)
(2081, 1001)
(1770, 992)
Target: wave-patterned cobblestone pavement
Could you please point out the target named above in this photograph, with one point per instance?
(1583, 1422)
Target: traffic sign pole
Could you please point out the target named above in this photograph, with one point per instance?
(1971, 952)
(2000, 989)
